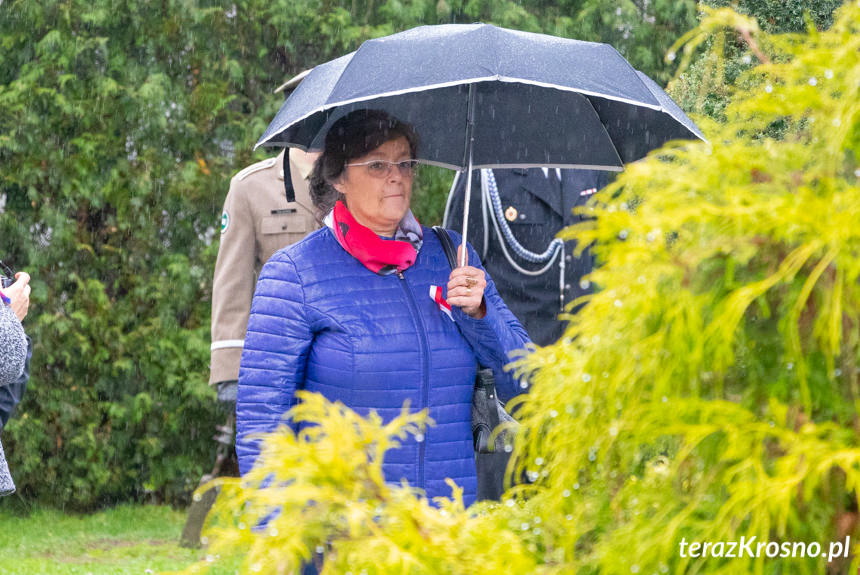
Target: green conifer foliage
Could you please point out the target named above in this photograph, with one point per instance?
(708, 391)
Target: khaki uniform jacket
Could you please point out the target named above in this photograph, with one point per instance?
(257, 221)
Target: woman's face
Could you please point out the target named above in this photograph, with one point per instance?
(378, 202)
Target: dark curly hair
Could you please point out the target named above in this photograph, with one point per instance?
(353, 136)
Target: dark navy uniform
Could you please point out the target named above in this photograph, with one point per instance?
(537, 204)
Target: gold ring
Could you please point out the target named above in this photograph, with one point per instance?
(470, 281)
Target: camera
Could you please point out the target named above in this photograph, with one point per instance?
(7, 275)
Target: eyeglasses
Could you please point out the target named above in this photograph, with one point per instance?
(382, 168)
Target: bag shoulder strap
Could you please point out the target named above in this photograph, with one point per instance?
(447, 245)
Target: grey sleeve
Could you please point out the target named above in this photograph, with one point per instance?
(13, 346)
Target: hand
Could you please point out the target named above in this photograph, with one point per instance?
(466, 288)
(19, 293)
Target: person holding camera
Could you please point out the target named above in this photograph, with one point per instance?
(15, 352)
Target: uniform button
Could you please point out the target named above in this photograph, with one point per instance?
(567, 286)
(522, 216)
(568, 258)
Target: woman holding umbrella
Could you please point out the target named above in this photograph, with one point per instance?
(367, 311)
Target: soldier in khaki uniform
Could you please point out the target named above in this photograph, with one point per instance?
(257, 221)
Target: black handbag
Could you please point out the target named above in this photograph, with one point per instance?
(488, 412)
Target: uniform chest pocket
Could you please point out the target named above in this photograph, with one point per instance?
(280, 230)
(532, 222)
(284, 224)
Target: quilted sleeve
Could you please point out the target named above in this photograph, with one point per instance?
(495, 336)
(274, 358)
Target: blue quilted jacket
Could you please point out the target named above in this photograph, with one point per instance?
(323, 322)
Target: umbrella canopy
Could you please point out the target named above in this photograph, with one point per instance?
(487, 97)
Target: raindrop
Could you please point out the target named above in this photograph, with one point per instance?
(586, 377)
(553, 413)
(204, 540)
(746, 59)
(585, 284)
(665, 399)
(539, 461)
(256, 567)
(837, 122)
(568, 409)
(537, 520)
(319, 549)
(641, 279)
(768, 88)
(565, 493)
(509, 502)
(670, 56)
(613, 430)
(634, 568)
(856, 175)
(524, 384)
(524, 526)
(536, 531)
(622, 234)
(533, 475)
(790, 366)
(813, 81)
(569, 517)
(197, 497)
(419, 437)
(273, 532)
(576, 486)
(618, 303)
(241, 526)
(828, 74)
(837, 372)
(210, 559)
(508, 448)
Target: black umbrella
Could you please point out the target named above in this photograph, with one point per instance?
(487, 97)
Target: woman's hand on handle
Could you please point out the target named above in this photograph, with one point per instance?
(466, 287)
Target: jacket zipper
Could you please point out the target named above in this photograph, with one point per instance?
(425, 368)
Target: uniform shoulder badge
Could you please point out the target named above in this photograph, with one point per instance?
(253, 168)
(511, 214)
(225, 222)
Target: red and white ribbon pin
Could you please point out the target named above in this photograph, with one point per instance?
(436, 295)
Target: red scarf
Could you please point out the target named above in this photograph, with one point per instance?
(380, 256)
